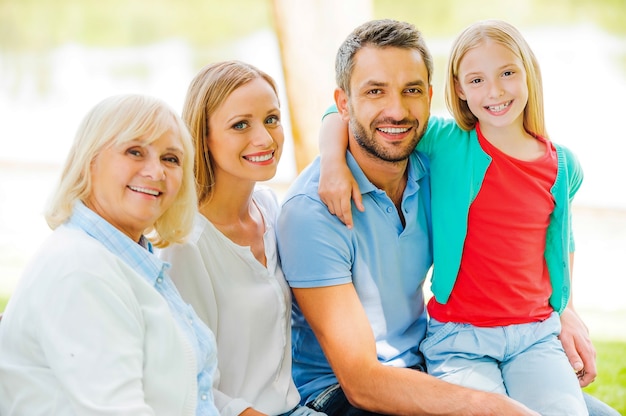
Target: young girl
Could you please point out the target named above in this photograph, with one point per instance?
(229, 268)
(501, 194)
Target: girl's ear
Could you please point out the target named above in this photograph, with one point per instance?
(459, 90)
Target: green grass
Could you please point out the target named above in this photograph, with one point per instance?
(610, 386)
(3, 302)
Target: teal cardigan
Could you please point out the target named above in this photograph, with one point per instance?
(458, 166)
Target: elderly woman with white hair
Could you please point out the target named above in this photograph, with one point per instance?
(96, 325)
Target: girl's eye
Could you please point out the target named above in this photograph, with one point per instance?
(272, 120)
(134, 152)
(508, 73)
(240, 125)
(476, 81)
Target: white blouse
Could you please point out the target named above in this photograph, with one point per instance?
(248, 307)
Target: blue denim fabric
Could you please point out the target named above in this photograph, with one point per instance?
(333, 402)
(598, 408)
(524, 361)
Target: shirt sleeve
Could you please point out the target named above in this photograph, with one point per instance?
(315, 248)
(191, 277)
(575, 177)
(330, 110)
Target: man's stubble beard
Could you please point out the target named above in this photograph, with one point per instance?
(367, 142)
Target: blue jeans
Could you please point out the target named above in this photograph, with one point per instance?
(333, 402)
(524, 361)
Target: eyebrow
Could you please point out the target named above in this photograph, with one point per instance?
(500, 68)
(246, 116)
(373, 83)
(175, 150)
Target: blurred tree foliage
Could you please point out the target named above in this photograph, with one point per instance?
(445, 17)
(41, 24)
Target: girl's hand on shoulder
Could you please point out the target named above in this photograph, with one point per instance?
(337, 186)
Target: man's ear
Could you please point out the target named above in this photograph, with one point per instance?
(341, 101)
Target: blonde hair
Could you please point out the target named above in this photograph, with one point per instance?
(120, 119)
(206, 93)
(508, 36)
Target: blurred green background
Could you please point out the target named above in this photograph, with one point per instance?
(58, 57)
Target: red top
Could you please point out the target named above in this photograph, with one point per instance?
(503, 278)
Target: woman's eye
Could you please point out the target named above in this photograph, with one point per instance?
(272, 120)
(172, 159)
(134, 152)
(240, 125)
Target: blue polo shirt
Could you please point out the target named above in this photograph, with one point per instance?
(384, 260)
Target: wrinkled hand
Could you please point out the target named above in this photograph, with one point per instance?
(578, 346)
(336, 189)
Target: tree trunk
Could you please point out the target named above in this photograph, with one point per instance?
(309, 33)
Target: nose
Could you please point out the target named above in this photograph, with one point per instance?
(262, 138)
(396, 107)
(496, 90)
(153, 169)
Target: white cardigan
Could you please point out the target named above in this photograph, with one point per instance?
(84, 334)
(248, 308)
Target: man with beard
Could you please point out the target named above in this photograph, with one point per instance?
(358, 314)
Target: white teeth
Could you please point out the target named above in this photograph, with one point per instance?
(262, 158)
(499, 107)
(145, 190)
(393, 130)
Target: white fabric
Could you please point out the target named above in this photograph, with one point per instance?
(84, 334)
(247, 306)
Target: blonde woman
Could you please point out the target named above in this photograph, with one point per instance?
(229, 269)
(96, 325)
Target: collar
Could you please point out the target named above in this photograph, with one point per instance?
(139, 256)
(417, 168)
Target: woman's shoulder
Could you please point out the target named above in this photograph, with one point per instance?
(266, 199)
